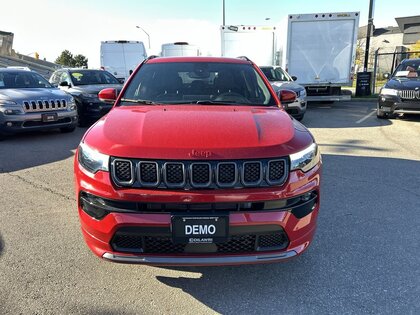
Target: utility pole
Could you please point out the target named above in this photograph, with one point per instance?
(223, 13)
(369, 31)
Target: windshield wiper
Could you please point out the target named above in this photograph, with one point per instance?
(146, 102)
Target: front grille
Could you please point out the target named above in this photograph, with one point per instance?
(409, 94)
(191, 174)
(130, 242)
(44, 105)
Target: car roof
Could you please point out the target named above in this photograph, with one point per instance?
(198, 59)
(16, 70)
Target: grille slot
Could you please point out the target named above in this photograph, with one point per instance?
(226, 174)
(252, 173)
(200, 174)
(122, 171)
(174, 174)
(272, 241)
(276, 171)
(149, 173)
(43, 105)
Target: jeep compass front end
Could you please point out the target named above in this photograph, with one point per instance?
(197, 164)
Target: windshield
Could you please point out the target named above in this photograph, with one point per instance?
(277, 74)
(22, 80)
(89, 77)
(197, 83)
(409, 69)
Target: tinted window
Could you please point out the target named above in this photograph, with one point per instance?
(410, 69)
(88, 77)
(192, 82)
(277, 74)
(22, 80)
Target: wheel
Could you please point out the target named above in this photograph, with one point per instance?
(67, 129)
(381, 115)
(299, 117)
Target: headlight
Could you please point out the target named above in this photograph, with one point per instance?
(91, 159)
(7, 102)
(305, 159)
(385, 91)
(89, 95)
(71, 104)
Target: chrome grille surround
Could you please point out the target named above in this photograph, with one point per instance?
(33, 106)
(180, 174)
(409, 94)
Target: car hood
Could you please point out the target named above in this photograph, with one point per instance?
(32, 94)
(286, 85)
(403, 83)
(96, 88)
(183, 132)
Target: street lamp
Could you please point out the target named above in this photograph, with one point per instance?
(148, 36)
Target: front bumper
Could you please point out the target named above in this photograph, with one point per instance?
(94, 108)
(296, 108)
(33, 121)
(395, 105)
(100, 234)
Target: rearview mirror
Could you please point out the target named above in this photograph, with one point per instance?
(108, 95)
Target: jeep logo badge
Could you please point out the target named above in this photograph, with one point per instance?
(200, 154)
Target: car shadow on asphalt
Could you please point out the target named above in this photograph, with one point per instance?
(363, 250)
(343, 115)
(26, 150)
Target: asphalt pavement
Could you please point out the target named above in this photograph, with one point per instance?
(364, 260)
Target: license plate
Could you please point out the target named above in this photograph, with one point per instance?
(199, 229)
(49, 117)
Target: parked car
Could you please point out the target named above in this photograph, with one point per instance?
(28, 102)
(197, 164)
(84, 85)
(401, 94)
(281, 80)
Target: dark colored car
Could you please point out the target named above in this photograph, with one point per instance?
(29, 102)
(401, 94)
(197, 164)
(280, 80)
(84, 85)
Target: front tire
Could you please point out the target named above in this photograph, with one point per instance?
(299, 117)
(67, 129)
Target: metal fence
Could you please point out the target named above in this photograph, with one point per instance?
(386, 63)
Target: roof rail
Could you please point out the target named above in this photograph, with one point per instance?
(244, 58)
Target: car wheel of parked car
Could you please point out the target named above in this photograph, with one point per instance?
(299, 117)
(67, 129)
(381, 115)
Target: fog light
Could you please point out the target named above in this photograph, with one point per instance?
(93, 206)
(306, 196)
(9, 124)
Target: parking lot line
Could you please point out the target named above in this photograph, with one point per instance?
(366, 117)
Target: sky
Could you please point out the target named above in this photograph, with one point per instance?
(51, 26)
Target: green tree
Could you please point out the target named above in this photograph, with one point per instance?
(65, 59)
(415, 47)
(68, 60)
(80, 61)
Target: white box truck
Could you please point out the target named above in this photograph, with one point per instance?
(121, 57)
(258, 43)
(179, 49)
(321, 51)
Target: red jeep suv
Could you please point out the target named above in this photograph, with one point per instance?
(197, 164)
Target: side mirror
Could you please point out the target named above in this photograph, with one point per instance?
(294, 78)
(287, 96)
(121, 80)
(387, 75)
(64, 83)
(108, 95)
